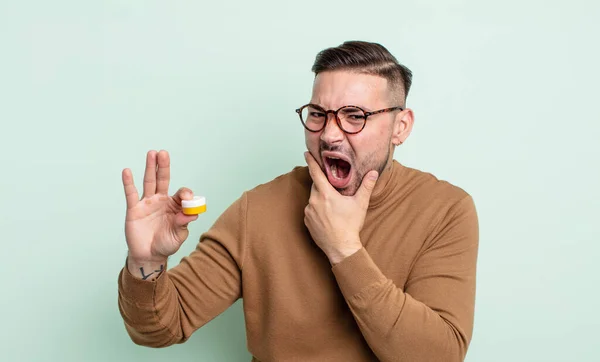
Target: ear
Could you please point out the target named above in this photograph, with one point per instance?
(403, 124)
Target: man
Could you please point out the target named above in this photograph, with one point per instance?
(353, 258)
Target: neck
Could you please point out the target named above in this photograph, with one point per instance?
(383, 179)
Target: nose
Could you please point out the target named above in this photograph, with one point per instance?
(332, 133)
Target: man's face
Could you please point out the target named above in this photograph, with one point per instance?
(347, 158)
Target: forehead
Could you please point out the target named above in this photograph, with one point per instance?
(334, 89)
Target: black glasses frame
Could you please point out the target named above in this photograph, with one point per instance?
(337, 119)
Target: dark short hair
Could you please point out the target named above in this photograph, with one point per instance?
(367, 58)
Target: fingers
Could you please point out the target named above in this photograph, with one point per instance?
(183, 194)
(163, 174)
(313, 192)
(311, 200)
(150, 174)
(131, 194)
(182, 220)
(317, 175)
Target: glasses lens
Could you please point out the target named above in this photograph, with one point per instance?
(313, 118)
(352, 119)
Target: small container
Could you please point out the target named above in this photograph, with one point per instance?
(195, 206)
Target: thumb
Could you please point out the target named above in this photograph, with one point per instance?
(367, 186)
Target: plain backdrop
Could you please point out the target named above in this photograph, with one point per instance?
(506, 102)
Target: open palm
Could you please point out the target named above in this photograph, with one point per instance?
(155, 226)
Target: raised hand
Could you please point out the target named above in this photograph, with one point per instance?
(155, 226)
(334, 220)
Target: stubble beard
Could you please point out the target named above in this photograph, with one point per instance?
(369, 163)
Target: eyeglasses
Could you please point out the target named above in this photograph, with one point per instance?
(350, 119)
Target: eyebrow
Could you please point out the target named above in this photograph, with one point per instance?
(366, 109)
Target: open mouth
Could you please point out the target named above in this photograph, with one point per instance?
(338, 171)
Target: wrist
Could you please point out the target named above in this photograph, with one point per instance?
(146, 268)
(337, 255)
(143, 258)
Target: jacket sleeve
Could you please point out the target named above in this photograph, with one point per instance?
(431, 317)
(205, 283)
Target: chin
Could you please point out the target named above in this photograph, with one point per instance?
(351, 189)
(347, 192)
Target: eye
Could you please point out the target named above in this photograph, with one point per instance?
(353, 115)
(356, 117)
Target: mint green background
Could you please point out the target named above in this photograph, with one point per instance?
(505, 97)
